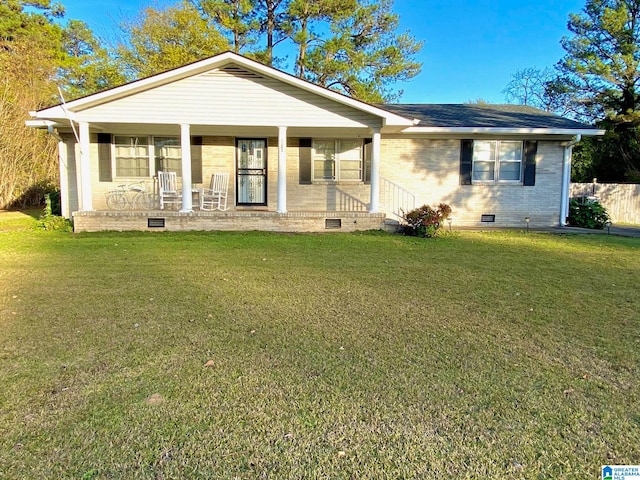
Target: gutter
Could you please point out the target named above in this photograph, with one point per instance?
(566, 179)
(502, 131)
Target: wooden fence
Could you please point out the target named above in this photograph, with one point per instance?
(622, 201)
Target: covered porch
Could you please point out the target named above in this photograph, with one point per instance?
(270, 170)
(278, 169)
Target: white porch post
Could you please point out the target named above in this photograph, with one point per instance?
(185, 144)
(374, 203)
(64, 179)
(86, 202)
(282, 170)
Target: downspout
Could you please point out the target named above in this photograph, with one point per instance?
(53, 133)
(566, 179)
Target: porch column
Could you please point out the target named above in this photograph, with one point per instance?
(86, 202)
(282, 170)
(64, 179)
(374, 203)
(185, 145)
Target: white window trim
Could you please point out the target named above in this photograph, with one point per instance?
(337, 161)
(496, 166)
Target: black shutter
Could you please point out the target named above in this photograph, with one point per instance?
(196, 159)
(305, 160)
(466, 161)
(104, 157)
(368, 151)
(530, 150)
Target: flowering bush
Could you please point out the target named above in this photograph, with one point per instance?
(425, 221)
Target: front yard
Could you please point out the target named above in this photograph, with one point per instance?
(473, 355)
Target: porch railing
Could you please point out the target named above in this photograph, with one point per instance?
(396, 199)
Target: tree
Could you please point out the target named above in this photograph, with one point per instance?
(274, 24)
(350, 46)
(87, 67)
(363, 56)
(237, 18)
(37, 53)
(160, 40)
(305, 16)
(542, 89)
(28, 58)
(601, 72)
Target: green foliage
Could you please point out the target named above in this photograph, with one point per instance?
(51, 219)
(54, 223)
(425, 221)
(587, 213)
(87, 66)
(37, 52)
(601, 70)
(363, 56)
(350, 46)
(159, 40)
(235, 18)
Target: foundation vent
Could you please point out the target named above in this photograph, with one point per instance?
(488, 218)
(332, 223)
(155, 222)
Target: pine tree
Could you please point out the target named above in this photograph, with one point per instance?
(601, 69)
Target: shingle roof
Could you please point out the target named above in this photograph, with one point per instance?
(483, 116)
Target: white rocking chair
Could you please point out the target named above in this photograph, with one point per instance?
(168, 189)
(215, 197)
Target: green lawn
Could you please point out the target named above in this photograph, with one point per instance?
(473, 355)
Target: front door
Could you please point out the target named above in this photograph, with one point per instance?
(252, 172)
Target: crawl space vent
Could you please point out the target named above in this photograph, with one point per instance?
(488, 218)
(333, 223)
(155, 222)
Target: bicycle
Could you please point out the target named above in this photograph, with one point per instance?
(132, 195)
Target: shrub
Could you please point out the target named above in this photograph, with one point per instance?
(587, 213)
(49, 220)
(425, 221)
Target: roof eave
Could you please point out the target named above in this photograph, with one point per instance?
(40, 123)
(505, 131)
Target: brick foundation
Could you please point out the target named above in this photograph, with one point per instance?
(229, 221)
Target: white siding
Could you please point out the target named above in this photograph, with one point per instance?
(229, 97)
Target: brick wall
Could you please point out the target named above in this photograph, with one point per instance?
(429, 168)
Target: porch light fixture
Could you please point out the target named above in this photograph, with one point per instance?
(449, 220)
(527, 221)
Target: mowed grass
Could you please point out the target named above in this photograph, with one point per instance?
(473, 355)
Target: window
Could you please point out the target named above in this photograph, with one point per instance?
(337, 160)
(131, 156)
(497, 160)
(138, 156)
(168, 154)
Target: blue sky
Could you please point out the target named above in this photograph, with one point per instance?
(471, 48)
